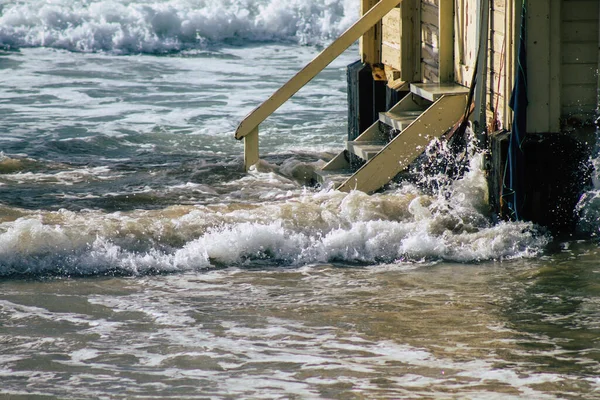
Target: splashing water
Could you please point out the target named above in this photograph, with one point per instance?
(165, 26)
(299, 228)
(156, 268)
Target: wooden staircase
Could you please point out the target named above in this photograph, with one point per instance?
(375, 157)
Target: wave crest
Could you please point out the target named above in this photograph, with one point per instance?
(168, 26)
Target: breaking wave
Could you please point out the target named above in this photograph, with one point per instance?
(402, 225)
(125, 26)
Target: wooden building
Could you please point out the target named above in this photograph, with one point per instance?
(448, 60)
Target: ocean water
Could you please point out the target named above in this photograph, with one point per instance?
(138, 260)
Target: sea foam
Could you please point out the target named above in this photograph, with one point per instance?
(399, 226)
(123, 26)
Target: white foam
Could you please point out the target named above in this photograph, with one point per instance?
(588, 207)
(163, 26)
(68, 177)
(302, 229)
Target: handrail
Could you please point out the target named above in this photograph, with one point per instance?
(367, 21)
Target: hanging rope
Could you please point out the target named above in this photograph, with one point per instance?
(514, 193)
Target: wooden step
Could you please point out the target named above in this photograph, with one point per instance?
(332, 177)
(399, 120)
(365, 149)
(408, 145)
(433, 91)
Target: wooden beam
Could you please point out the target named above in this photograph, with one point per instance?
(398, 48)
(311, 70)
(251, 149)
(370, 42)
(479, 114)
(510, 52)
(538, 66)
(446, 45)
(416, 15)
(555, 83)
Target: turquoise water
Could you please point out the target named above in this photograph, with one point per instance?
(137, 260)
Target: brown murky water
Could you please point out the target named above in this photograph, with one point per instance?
(520, 329)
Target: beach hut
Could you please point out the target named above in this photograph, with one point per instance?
(524, 73)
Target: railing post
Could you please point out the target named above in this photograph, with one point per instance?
(251, 149)
(248, 128)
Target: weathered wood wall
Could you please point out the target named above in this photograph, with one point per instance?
(370, 42)
(466, 40)
(437, 38)
(579, 59)
(400, 46)
(500, 57)
(430, 34)
(563, 41)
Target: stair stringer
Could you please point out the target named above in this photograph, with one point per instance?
(398, 154)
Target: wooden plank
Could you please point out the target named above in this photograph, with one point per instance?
(495, 68)
(429, 15)
(509, 56)
(409, 55)
(579, 74)
(415, 11)
(464, 75)
(459, 46)
(492, 100)
(391, 26)
(311, 70)
(398, 48)
(498, 21)
(554, 107)
(580, 31)
(430, 73)
(579, 59)
(497, 41)
(467, 38)
(582, 96)
(570, 113)
(430, 35)
(339, 162)
(370, 41)
(496, 81)
(408, 145)
(481, 88)
(579, 53)
(429, 55)
(580, 10)
(499, 6)
(446, 46)
(251, 149)
(391, 56)
(538, 60)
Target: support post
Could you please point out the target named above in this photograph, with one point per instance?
(250, 149)
(598, 87)
(481, 87)
(511, 38)
(446, 41)
(370, 42)
(543, 51)
(555, 99)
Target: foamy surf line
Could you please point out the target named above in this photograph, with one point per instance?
(326, 227)
(124, 26)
